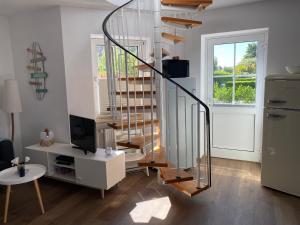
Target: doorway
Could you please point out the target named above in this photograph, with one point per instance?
(234, 70)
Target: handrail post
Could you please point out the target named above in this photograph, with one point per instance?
(108, 66)
(177, 135)
(198, 147)
(127, 93)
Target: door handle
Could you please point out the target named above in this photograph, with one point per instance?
(275, 116)
(271, 101)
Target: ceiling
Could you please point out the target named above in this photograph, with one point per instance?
(11, 7)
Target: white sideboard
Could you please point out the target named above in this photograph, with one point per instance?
(96, 170)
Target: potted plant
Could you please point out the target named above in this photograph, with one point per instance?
(20, 165)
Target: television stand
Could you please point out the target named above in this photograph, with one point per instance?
(93, 170)
(85, 151)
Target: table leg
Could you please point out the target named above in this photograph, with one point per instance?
(38, 192)
(8, 189)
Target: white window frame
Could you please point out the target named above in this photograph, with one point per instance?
(231, 37)
(234, 77)
(98, 39)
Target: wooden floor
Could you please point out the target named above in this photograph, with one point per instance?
(236, 198)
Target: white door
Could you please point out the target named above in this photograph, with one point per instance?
(235, 72)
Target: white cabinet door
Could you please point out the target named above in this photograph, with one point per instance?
(91, 173)
(281, 150)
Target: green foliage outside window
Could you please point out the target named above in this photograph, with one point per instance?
(222, 94)
(245, 94)
(119, 61)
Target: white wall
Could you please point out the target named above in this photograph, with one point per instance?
(280, 16)
(77, 26)
(7, 72)
(43, 26)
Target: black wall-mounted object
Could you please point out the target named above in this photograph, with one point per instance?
(176, 68)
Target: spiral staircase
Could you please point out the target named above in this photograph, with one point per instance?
(137, 92)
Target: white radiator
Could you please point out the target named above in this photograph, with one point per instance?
(106, 138)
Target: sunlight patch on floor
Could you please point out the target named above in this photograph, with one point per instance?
(144, 211)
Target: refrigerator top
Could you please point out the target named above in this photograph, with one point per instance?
(283, 77)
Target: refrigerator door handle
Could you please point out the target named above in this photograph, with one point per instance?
(276, 101)
(275, 116)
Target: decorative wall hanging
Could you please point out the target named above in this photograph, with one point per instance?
(36, 67)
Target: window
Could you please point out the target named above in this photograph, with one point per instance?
(234, 73)
(119, 57)
(136, 46)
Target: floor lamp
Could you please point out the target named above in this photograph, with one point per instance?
(11, 102)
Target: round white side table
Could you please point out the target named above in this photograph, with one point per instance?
(11, 177)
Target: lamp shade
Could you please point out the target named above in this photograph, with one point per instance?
(11, 97)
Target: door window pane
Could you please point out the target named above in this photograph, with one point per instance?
(223, 90)
(223, 59)
(101, 61)
(245, 54)
(245, 91)
(234, 77)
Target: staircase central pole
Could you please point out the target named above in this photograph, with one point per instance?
(158, 65)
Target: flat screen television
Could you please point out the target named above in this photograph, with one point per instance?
(83, 133)
(176, 68)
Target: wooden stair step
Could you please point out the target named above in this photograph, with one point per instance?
(138, 107)
(135, 78)
(144, 67)
(108, 119)
(135, 93)
(170, 175)
(187, 3)
(138, 142)
(165, 53)
(158, 160)
(184, 22)
(139, 123)
(176, 39)
(190, 187)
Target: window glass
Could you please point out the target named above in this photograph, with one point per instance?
(119, 61)
(223, 90)
(245, 58)
(234, 78)
(223, 59)
(101, 63)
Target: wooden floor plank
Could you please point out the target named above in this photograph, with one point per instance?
(236, 198)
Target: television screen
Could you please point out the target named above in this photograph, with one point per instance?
(83, 133)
